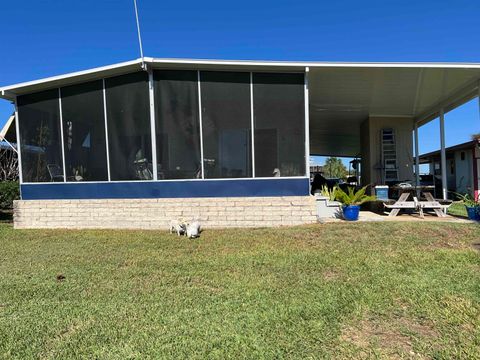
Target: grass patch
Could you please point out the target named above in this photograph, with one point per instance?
(335, 290)
(457, 209)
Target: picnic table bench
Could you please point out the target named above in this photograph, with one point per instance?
(416, 205)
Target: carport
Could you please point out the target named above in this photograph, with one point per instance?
(350, 104)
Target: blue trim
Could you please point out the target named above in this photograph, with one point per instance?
(166, 189)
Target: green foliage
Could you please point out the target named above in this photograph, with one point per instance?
(353, 197)
(457, 209)
(334, 168)
(468, 200)
(9, 191)
(330, 193)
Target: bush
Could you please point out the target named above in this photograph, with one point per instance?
(9, 191)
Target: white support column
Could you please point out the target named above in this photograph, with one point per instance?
(19, 152)
(201, 124)
(252, 118)
(106, 129)
(151, 94)
(443, 156)
(61, 134)
(307, 124)
(417, 158)
(476, 192)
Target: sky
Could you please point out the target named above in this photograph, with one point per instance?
(43, 38)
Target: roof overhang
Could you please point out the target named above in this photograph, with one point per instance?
(10, 91)
(435, 155)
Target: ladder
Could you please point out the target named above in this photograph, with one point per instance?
(389, 155)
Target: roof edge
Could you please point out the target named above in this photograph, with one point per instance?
(9, 92)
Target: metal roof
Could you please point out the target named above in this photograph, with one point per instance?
(469, 145)
(9, 91)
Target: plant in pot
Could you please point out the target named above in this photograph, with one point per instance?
(352, 200)
(326, 205)
(472, 205)
(329, 193)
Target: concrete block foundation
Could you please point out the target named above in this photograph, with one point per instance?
(157, 213)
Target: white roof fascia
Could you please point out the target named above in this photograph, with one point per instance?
(318, 64)
(9, 92)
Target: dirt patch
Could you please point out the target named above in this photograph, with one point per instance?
(203, 284)
(393, 338)
(476, 246)
(331, 274)
(445, 244)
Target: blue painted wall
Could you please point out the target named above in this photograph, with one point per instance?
(166, 189)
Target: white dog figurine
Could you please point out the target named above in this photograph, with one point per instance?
(193, 230)
(177, 226)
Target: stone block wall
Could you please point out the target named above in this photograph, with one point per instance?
(157, 213)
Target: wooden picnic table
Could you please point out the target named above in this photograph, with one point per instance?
(416, 205)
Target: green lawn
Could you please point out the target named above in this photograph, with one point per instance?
(365, 290)
(457, 209)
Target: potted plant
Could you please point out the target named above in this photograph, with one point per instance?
(352, 200)
(472, 205)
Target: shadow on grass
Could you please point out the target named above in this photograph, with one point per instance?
(6, 216)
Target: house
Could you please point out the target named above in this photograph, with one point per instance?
(139, 143)
(463, 167)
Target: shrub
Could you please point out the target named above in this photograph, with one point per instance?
(9, 191)
(353, 197)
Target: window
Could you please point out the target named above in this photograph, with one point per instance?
(226, 122)
(129, 135)
(279, 110)
(84, 132)
(177, 124)
(39, 124)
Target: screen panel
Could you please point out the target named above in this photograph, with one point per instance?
(129, 132)
(177, 124)
(226, 124)
(40, 137)
(84, 132)
(279, 118)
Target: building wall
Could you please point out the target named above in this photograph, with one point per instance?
(157, 213)
(167, 189)
(404, 141)
(476, 171)
(451, 174)
(365, 152)
(463, 171)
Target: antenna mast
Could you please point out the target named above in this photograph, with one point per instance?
(144, 66)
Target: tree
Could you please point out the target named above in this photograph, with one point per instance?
(334, 168)
(8, 165)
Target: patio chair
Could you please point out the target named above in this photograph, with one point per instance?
(55, 172)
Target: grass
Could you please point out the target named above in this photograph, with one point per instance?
(457, 209)
(365, 290)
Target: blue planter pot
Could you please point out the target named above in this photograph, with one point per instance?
(473, 212)
(350, 213)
